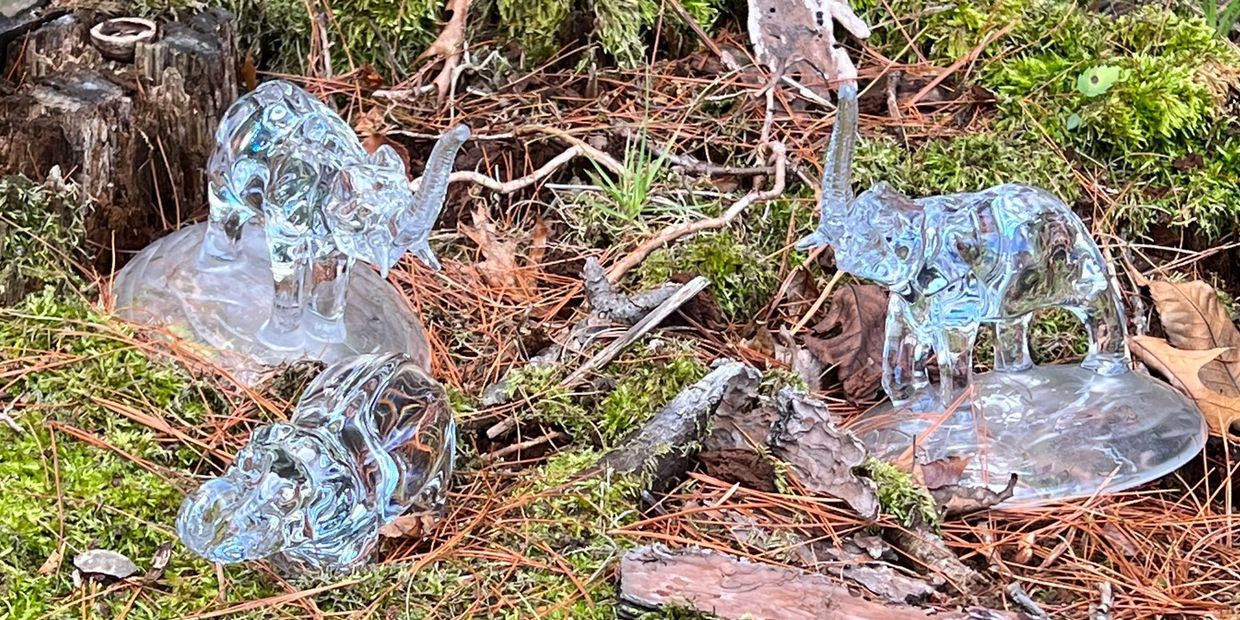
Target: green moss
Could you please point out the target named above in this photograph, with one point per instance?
(41, 231)
(899, 496)
(75, 360)
(644, 380)
(741, 281)
(1166, 102)
(385, 34)
(965, 163)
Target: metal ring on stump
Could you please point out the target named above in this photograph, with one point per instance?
(117, 38)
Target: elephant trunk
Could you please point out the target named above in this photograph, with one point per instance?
(428, 200)
(837, 193)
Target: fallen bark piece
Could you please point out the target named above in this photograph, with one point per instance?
(608, 303)
(821, 456)
(955, 500)
(740, 466)
(731, 587)
(660, 447)
(888, 584)
(928, 550)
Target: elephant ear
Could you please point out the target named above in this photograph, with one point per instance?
(386, 157)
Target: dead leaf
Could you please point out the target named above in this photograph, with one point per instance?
(1122, 541)
(159, 561)
(941, 473)
(1024, 548)
(407, 526)
(1194, 319)
(249, 72)
(538, 242)
(499, 265)
(53, 561)
(797, 38)
(956, 500)
(821, 456)
(860, 310)
(375, 140)
(1182, 368)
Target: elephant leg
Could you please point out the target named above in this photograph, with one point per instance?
(223, 238)
(329, 283)
(904, 357)
(1103, 317)
(282, 331)
(954, 349)
(1012, 344)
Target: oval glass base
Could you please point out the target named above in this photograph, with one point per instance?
(1066, 431)
(222, 308)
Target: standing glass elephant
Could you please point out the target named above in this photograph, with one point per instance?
(954, 262)
(286, 161)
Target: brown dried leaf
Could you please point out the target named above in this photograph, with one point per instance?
(407, 526)
(538, 242)
(52, 563)
(796, 38)
(821, 456)
(1195, 320)
(941, 473)
(249, 72)
(375, 140)
(499, 267)
(159, 561)
(1183, 369)
(860, 310)
(956, 500)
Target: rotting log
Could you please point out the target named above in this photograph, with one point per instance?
(135, 135)
(662, 448)
(727, 586)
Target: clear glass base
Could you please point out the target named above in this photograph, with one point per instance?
(223, 306)
(1067, 432)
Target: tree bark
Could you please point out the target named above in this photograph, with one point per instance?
(136, 135)
(727, 586)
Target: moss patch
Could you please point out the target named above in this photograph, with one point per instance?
(899, 496)
(741, 281)
(643, 379)
(78, 361)
(1139, 102)
(41, 231)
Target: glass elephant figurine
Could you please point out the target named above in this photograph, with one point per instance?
(287, 162)
(372, 438)
(957, 261)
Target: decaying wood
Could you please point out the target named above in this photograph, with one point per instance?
(731, 587)
(610, 304)
(661, 448)
(821, 456)
(643, 311)
(928, 549)
(136, 135)
(652, 319)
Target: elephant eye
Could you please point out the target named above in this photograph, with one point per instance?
(902, 253)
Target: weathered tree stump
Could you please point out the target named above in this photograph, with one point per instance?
(136, 135)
